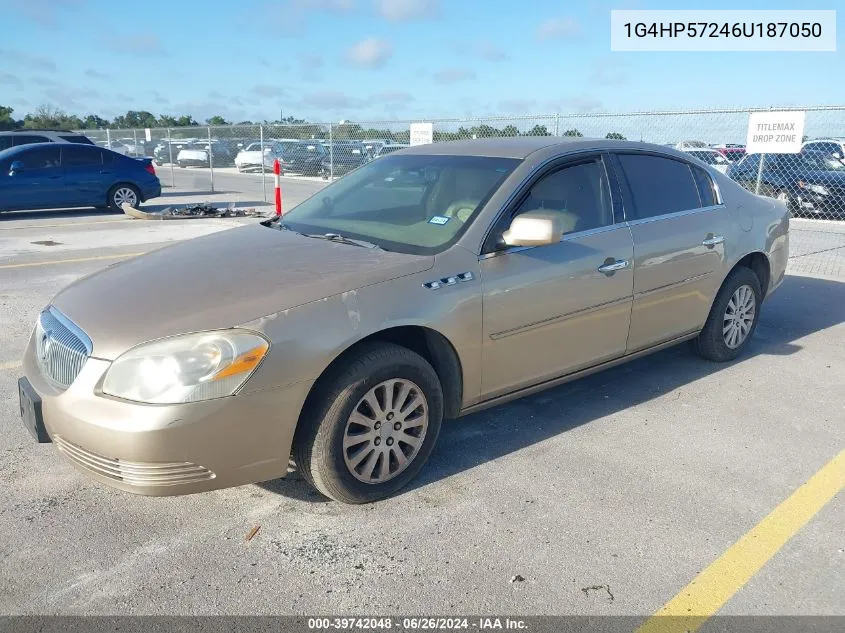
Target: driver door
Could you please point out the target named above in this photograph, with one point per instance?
(555, 309)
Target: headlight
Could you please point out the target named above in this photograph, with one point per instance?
(820, 189)
(186, 368)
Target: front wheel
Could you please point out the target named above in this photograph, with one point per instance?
(371, 426)
(733, 317)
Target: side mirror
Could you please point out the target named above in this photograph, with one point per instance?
(16, 167)
(534, 228)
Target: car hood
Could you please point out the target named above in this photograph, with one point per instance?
(836, 178)
(219, 281)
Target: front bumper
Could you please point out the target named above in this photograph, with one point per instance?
(832, 206)
(164, 450)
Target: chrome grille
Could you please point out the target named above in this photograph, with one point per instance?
(61, 348)
(134, 473)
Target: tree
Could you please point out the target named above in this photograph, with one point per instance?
(7, 122)
(135, 119)
(217, 120)
(615, 136)
(510, 130)
(94, 122)
(538, 130)
(186, 120)
(572, 132)
(46, 116)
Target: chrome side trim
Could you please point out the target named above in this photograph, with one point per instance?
(557, 319)
(674, 284)
(676, 214)
(555, 382)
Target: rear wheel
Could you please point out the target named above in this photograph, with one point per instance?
(372, 425)
(733, 317)
(123, 194)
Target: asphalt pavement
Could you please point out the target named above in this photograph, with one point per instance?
(604, 496)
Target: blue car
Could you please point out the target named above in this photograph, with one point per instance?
(64, 175)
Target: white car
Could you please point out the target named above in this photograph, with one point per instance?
(834, 147)
(252, 157)
(712, 157)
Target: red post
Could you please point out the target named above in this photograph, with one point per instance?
(277, 170)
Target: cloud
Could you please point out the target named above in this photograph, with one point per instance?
(45, 13)
(408, 10)
(27, 61)
(96, 74)
(372, 53)
(453, 75)
(392, 96)
(487, 50)
(291, 17)
(332, 100)
(10, 80)
(267, 91)
(141, 45)
(609, 72)
(311, 61)
(517, 106)
(555, 28)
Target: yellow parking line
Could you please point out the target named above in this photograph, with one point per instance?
(12, 364)
(69, 261)
(714, 586)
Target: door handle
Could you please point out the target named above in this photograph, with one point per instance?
(613, 266)
(711, 241)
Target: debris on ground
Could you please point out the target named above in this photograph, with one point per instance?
(203, 210)
(517, 578)
(605, 588)
(252, 533)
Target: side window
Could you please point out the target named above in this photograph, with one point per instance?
(658, 185)
(24, 139)
(579, 194)
(706, 188)
(40, 158)
(6, 142)
(76, 138)
(80, 156)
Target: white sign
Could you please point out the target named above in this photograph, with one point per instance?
(148, 134)
(775, 132)
(422, 133)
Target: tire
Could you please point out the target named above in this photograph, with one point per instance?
(121, 193)
(714, 342)
(376, 371)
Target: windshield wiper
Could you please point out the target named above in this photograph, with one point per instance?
(337, 237)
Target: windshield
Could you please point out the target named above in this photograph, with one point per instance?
(296, 150)
(407, 203)
(816, 162)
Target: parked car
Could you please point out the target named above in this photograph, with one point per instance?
(254, 156)
(389, 148)
(832, 147)
(25, 137)
(115, 146)
(733, 152)
(168, 151)
(133, 147)
(66, 175)
(712, 157)
(341, 158)
(810, 183)
(205, 154)
(301, 157)
(428, 284)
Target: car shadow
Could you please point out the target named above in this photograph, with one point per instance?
(48, 214)
(785, 319)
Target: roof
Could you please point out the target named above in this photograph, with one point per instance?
(522, 146)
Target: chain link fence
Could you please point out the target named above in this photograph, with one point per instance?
(237, 160)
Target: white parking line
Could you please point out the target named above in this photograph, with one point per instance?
(10, 364)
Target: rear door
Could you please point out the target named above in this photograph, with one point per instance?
(39, 185)
(680, 231)
(85, 176)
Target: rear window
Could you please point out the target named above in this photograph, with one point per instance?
(658, 185)
(78, 156)
(76, 138)
(40, 157)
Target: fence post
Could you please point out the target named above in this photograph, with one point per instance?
(759, 173)
(135, 136)
(210, 160)
(331, 154)
(170, 153)
(108, 138)
(557, 124)
(263, 171)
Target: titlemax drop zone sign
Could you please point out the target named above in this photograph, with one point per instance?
(775, 132)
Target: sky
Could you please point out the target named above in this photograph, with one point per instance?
(329, 60)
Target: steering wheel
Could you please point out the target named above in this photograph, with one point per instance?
(461, 209)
